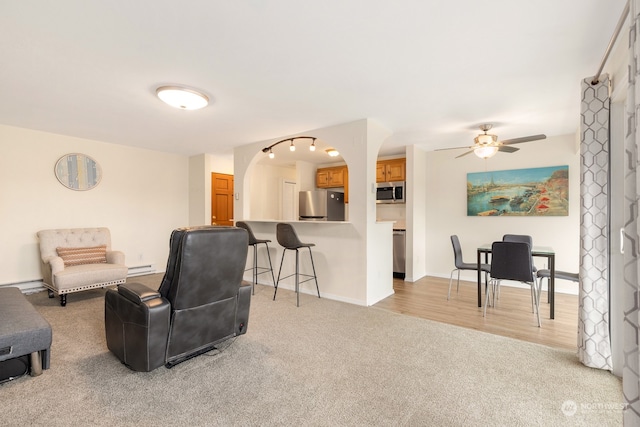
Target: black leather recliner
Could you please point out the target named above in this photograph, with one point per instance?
(201, 301)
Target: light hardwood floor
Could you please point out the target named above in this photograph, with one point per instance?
(511, 317)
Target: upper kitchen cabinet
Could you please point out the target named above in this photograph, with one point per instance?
(334, 177)
(331, 177)
(391, 170)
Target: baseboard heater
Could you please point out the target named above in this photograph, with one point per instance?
(139, 270)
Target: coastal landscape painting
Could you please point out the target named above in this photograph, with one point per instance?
(519, 192)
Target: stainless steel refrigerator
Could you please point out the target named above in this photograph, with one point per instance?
(321, 205)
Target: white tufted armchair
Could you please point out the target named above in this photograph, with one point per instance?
(78, 259)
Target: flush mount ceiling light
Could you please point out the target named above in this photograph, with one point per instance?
(182, 98)
(332, 152)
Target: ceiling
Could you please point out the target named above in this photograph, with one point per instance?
(429, 71)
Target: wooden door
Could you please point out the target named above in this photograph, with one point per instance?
(221, 199)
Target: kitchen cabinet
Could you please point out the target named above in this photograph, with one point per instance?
(334, 177)
(391, 170)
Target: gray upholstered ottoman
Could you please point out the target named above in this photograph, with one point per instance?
(23, 330)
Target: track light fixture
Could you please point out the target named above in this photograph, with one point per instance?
(292, 147)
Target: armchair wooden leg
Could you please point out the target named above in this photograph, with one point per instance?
(63, 300)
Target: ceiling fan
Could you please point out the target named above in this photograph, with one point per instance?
(486, 144)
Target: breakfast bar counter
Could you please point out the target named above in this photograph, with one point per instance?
(338, 254)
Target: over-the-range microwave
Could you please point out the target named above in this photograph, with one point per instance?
(390, 192)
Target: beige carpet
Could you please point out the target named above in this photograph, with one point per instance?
(323, 364)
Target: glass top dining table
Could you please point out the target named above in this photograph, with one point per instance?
(536, 251)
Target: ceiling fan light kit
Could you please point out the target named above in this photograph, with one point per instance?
(485, 152)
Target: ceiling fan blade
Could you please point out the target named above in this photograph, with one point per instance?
(464, 154)
(507, 149)
(452, 148)
(523, 139)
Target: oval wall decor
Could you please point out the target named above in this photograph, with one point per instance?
(78, 171)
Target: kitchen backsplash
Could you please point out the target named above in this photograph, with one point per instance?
(391, 212)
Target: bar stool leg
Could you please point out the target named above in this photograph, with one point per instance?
(270, 265)
(255, 269)
(279, 271)
(297, 280)
(314, 272)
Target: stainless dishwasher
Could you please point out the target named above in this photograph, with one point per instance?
(399, 252)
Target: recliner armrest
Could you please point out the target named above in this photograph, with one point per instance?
(137, 292)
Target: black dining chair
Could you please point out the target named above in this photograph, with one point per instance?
(461, 265)
(512, 261)
(546, 274)
(520, 238)
(524, 238)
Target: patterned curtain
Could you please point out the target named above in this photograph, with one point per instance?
(630, 376)
(594, 345)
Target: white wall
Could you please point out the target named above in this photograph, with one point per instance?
(306, 176)
(446, 213)
(417, 205)
(200, 190)
(266, 190)
(142, 197)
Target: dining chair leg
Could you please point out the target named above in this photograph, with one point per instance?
(534, 295)
(486, 300)
(537, 304)
(450, 280)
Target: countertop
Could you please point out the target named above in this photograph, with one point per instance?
(295, 221)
